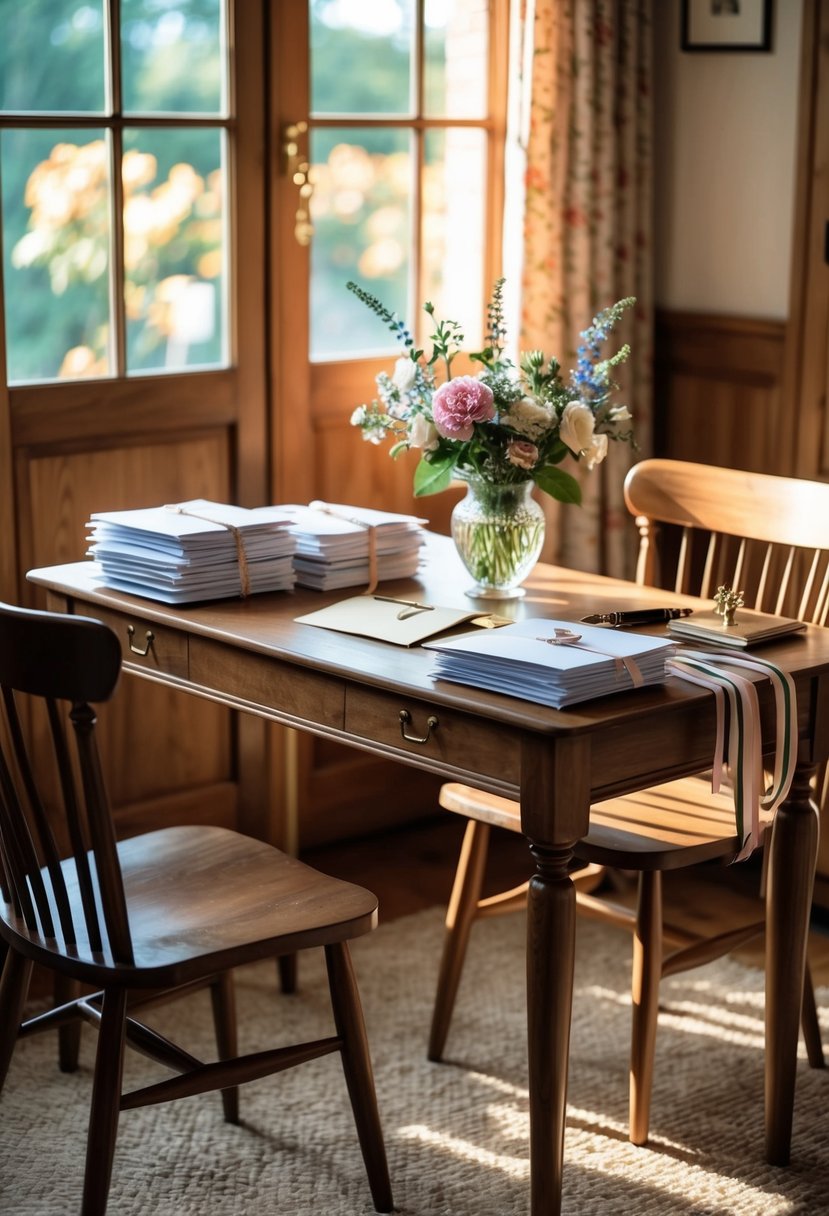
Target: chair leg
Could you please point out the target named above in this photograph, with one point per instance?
(348, 1018)
(647, 970)
(106, 1103)
(810, 1024)
(223, 998)
(14, 988)
(287, 967)
(69, 1035)
(462, 911)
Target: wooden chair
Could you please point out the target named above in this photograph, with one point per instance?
(164, 911)
(767, 536)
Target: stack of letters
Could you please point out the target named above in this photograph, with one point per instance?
(555, 663)
(344, 546)
(191, 551)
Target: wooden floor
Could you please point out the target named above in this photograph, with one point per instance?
(412, 868)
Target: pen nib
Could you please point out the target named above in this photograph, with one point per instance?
(598, 618)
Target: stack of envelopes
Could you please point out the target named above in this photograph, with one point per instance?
(555, 663)
(334, 541)
(190, 551)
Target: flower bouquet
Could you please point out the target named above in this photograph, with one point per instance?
(502, 431)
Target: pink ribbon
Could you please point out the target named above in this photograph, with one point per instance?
(568, 637)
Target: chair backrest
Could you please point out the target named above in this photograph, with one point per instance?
(765, 536)
(67, 663)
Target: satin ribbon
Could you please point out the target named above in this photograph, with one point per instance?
(244, 571)
(371, 529)
(568, 637)
(745, 752)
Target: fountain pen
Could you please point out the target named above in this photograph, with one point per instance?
(644, 616)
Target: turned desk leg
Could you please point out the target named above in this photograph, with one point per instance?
(791, 876)
(551, 947)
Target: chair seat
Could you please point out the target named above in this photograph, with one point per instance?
(203, 898)
(669, 826)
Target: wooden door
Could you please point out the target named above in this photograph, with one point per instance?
(363, 180)
(164, 397)
(803, 423)
(804, 419)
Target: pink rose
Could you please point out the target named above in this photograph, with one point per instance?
(459, 404)
(521, 453)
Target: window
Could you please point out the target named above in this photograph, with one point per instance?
(401, 152)
(113, 164)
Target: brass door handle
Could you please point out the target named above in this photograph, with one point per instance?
(405, 718)
(297, 166)
(149, 638)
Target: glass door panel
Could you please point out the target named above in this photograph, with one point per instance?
(400, 152)
(361, 211)
(174, 248)
(456, 53)
(173, 57)
(52, 57)
(453, 227)
(56, 207)
(361, 56)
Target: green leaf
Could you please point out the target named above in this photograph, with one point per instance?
(556, 452)
(433, 476)
(558, 484)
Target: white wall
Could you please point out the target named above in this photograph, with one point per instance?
(724, 160)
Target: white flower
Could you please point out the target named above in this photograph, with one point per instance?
(577, 427)
(359, 416)
(619, 413)
(404, 374)
(529, 417)
(597, 451)
(423, 434)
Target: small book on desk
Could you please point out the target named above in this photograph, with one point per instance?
(749, 629)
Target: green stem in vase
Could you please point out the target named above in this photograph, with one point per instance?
(498, 531)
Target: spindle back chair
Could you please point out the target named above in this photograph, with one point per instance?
(699, 527)
(151, 915)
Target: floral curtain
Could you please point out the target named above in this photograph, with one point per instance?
(587, 231)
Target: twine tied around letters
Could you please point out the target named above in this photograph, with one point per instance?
(236, 533)
(371, 529)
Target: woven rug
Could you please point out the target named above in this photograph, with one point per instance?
(456, 1133)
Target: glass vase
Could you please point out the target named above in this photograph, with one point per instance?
(498, 530)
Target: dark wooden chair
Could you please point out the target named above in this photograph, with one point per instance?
(768, 536)
(167, 910)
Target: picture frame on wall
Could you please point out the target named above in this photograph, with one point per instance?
(726, 25)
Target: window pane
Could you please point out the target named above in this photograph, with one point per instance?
(361, 212)
(56, 252)
(174, 248)
(52, 56)
(361, 56)
(453, 228)
(172, 56)
(455, 52)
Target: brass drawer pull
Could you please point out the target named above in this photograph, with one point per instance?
(149, 638)
(406, 717)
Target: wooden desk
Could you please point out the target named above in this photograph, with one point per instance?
(252, 656)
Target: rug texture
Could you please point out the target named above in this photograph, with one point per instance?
(456, 1133)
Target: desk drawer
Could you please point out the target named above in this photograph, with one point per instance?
(284, 691)
(461, 741)
(144, 643)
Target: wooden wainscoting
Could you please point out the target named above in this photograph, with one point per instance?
(718, 390)
(169, 757)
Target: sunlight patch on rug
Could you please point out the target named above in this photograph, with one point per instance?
(457, 1132)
